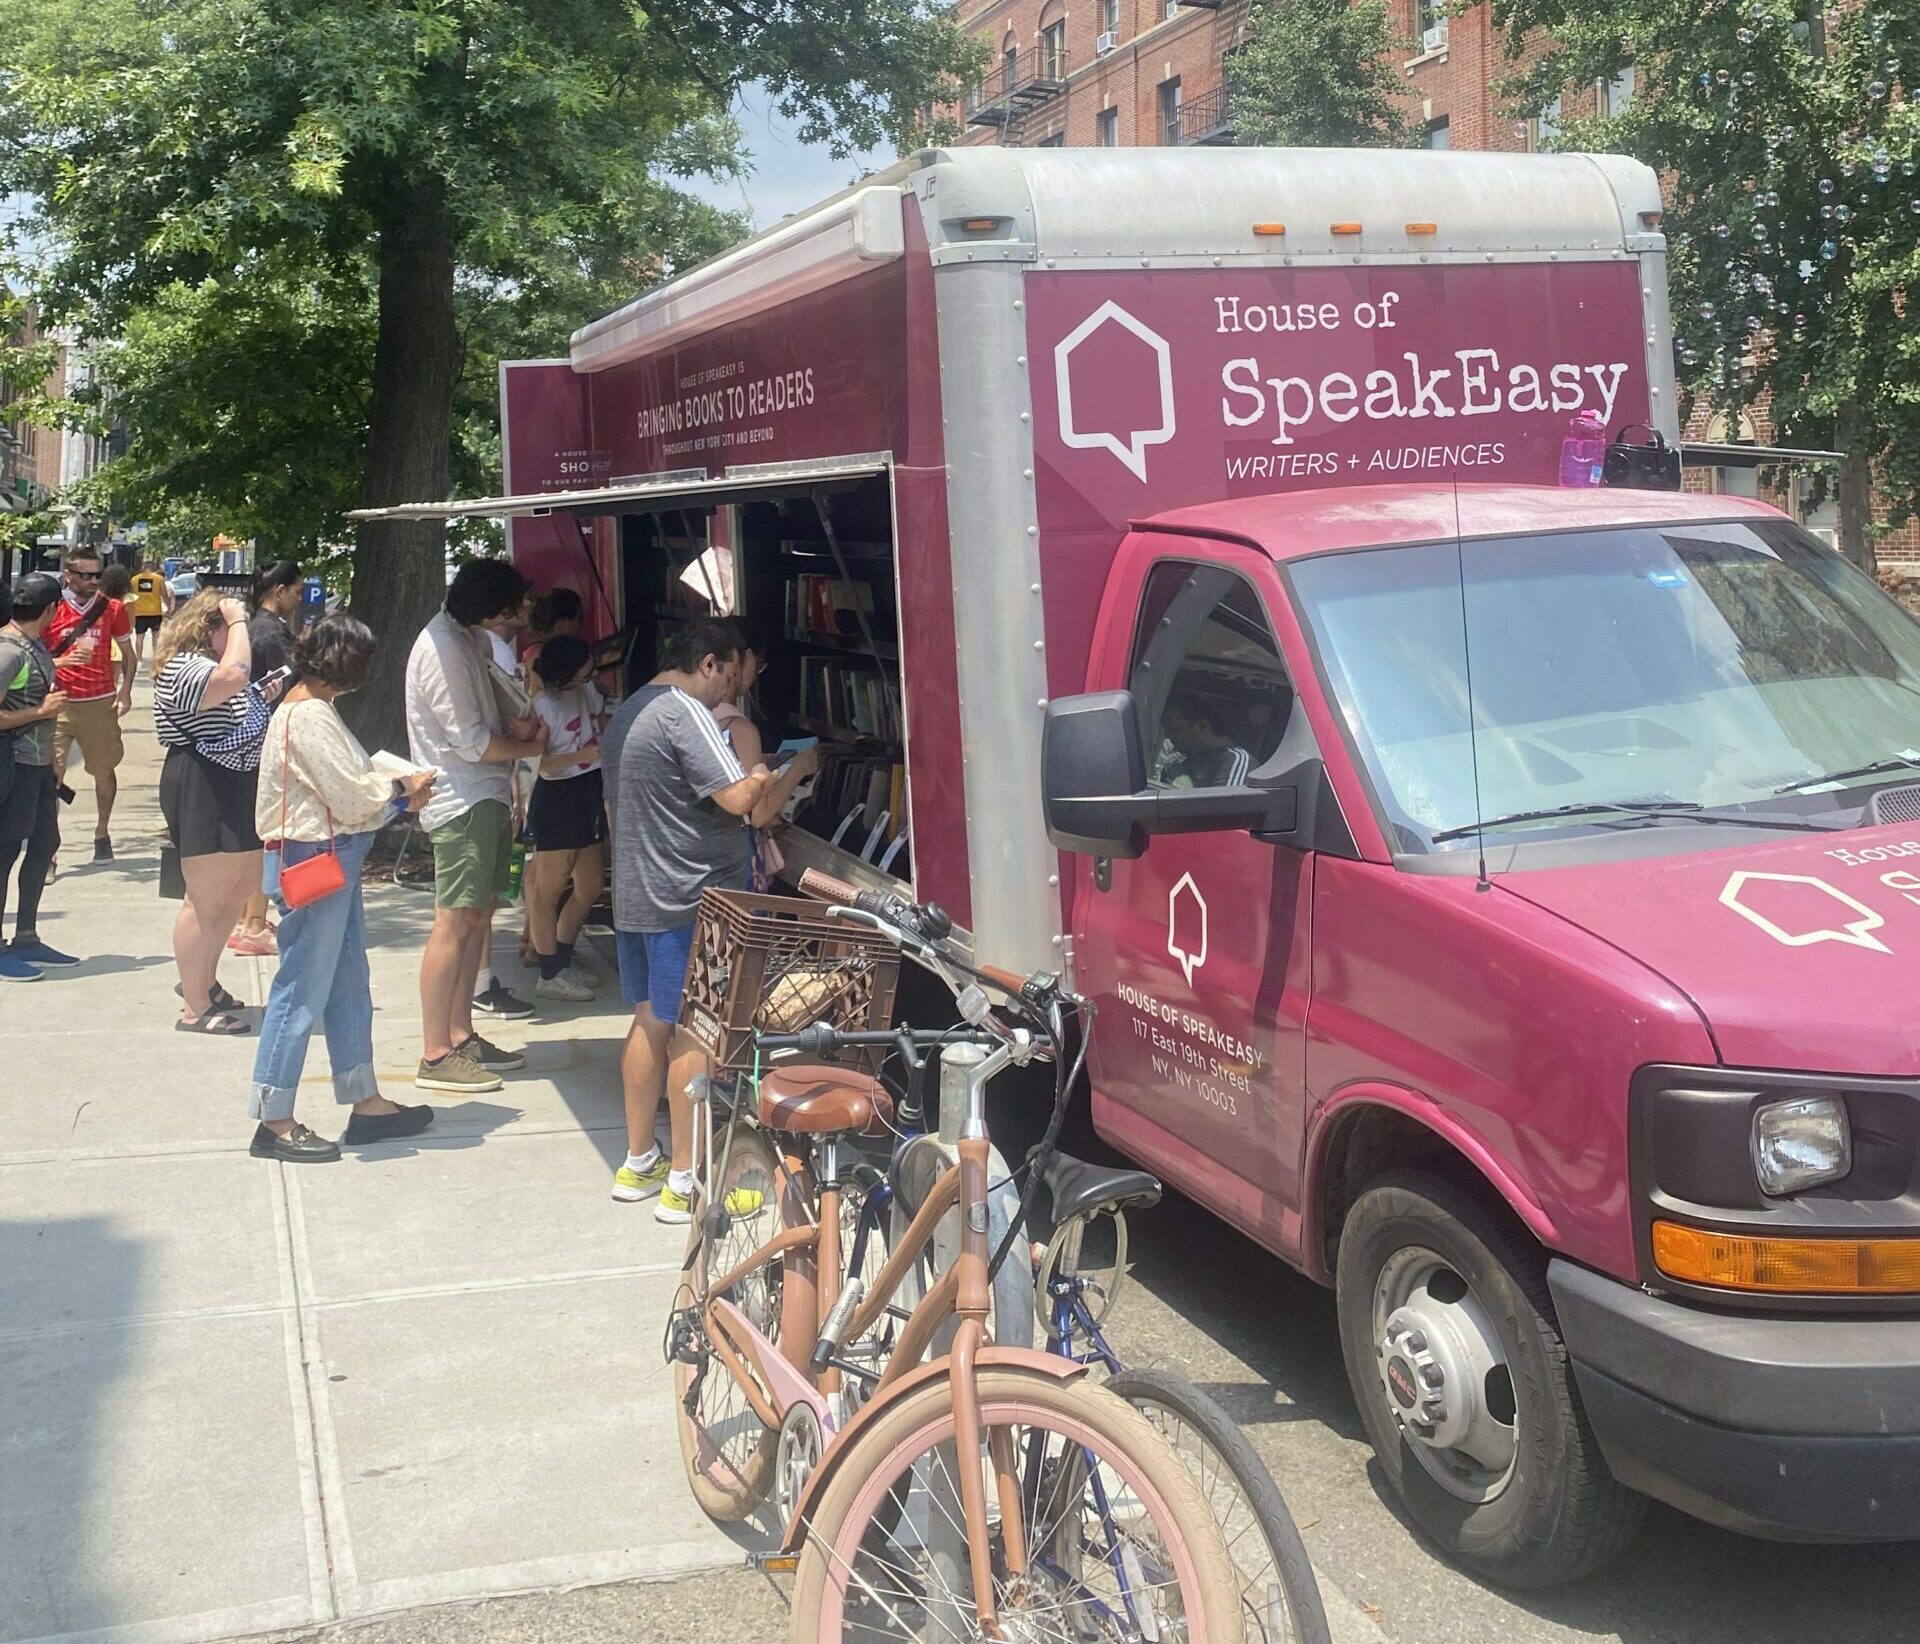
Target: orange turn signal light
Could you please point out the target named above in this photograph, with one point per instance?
(1737, 1261)
(1344, 228)
(1650, 219)
(1423, 228)
(980, 225)
(1268, 230)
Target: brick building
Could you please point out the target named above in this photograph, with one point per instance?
(1145, 73)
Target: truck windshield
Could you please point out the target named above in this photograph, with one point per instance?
(1737, 668)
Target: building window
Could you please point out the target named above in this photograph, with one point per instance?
(1612, 96)
(1439, 133)
(1170, 112)
(1106, 128)
(1009, 68)
(1057, 140)
(1547, 126)
(1429, 24)
(1053, 51)
(1109, 16)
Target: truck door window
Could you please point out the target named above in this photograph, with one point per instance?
(1213, 692)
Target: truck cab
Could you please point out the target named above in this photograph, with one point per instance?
(1494, 902)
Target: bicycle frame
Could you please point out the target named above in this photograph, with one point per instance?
(773, 1382)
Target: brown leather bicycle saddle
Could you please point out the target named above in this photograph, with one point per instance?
(819, 1099)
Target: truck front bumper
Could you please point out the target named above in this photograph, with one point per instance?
(1799, 1429)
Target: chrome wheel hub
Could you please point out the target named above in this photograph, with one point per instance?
(1444, 1374)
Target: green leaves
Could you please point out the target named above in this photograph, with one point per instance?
(1318, 73)
(213, 177)
(1792, 152)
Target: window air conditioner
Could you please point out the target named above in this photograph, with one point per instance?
(1106, 42)
(1172, 10)
(1435, 38)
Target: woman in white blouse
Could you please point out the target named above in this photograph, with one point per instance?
(319, 792)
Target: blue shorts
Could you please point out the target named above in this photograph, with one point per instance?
(653, 968)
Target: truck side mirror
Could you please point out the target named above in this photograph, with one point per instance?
(1094, 783)
(1093, 776)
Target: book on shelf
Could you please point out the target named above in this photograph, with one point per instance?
(850, 694)
(828, 606)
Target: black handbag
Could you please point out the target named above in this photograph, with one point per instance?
(1632, 466)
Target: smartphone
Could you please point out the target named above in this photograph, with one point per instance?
(279, 676)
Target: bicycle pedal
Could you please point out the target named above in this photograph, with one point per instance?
(773, 1563)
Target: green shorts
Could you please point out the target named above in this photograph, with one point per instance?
(471, 855)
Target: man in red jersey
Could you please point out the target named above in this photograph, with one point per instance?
(98, 688)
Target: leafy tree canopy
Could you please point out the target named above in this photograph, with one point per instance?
(1792, 149)
(1319, 73)
(313, 225)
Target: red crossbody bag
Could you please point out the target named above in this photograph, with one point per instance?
(318, 877)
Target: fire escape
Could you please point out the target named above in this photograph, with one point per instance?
(1024, 82)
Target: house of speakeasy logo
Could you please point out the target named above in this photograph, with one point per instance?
(1111, 345)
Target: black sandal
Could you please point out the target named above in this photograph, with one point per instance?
(219, 1023)
(217, 997)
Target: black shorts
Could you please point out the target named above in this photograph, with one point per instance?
(27, 804)
(147, 625)
(568, 813)
(209, 809)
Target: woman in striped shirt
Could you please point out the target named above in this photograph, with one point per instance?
(211, 722)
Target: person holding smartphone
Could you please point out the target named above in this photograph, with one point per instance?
(274, 603)
(29, 813)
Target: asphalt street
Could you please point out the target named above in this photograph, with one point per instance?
(1207, 1302)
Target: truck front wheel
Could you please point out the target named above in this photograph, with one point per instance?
(1461, 1376)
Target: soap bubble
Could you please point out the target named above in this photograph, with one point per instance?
(1721, 77)
(1913, 205)
(1744, 36)
(1876, 89)
(1825, 185)
(1706, 311)
(1828, 250)
(1759, 231)
(1757, 11)
(1882, 166)
(1786, 134)
(1842, 213)
(1799, 322)
(1720, 231)
(1826, 214)
(1689, 358)
(1753, 322)
(1748, 78)
(1906, 168)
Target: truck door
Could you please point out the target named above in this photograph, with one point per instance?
(1197, 951)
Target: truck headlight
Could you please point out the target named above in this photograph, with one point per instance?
(1800, 1144)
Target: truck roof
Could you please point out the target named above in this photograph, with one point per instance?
(1292, 524)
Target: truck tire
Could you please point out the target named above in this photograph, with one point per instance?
(1457, 1364)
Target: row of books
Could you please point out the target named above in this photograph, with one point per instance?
(851, 695)
(826, 605)
(854, 796)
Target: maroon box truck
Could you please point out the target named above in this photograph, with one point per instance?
(1493, 892)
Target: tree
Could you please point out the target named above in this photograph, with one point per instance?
(1319, 73)
(1792, 148)
(422, 171)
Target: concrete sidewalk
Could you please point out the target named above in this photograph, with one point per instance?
(238, 1396)
(244, 1397)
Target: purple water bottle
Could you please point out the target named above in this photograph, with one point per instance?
(1584, 451)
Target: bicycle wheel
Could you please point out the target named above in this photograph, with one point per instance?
(728, 1450)
(1120, 1540)
(1279, 1598)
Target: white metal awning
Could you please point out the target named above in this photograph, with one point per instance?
(650, 494)
(1706, 454)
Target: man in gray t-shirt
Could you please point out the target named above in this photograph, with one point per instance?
(679, 801)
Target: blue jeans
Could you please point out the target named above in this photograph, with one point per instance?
(322, 980)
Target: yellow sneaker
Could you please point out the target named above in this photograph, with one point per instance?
(676, 1209)
(630, 1186)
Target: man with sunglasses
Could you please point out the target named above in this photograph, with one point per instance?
(98, 688)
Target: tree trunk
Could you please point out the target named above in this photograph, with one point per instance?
(400, 566)
(1855, 489)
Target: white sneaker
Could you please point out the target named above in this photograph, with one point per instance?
(562, 987)
(578, 973)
